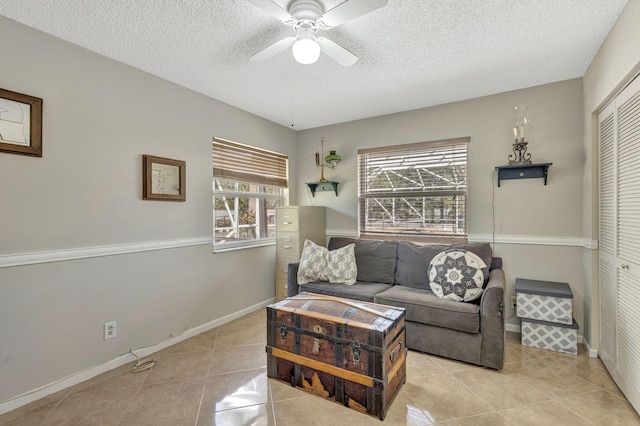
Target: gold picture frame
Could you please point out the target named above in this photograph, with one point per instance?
(20, 123)
(163, 179)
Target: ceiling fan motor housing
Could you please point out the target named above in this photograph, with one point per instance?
(306, 10)
(306, 29)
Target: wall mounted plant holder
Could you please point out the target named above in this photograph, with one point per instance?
(323, 186)
(523, 171)
(330, 161)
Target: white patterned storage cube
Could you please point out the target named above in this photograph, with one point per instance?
(544, 301)
(549, 335)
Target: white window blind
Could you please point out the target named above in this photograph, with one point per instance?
(417, 190)
(235, 161)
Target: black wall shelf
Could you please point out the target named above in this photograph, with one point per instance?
(523, 171)
(323, 186)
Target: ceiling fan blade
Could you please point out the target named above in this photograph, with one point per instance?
(337, 52)
(271, 51)
(273, 9)
(349, 10)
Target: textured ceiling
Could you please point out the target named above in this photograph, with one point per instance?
(413, 53)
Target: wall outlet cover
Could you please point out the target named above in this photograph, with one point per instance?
(110, 330)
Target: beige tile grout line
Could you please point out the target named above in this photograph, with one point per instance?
(132, 398)
(61, 401)
(204, 386)
(270, 398)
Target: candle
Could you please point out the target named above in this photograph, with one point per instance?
(515, 132)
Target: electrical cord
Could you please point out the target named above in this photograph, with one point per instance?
(493, 211)
(142, 364)
(512, 314)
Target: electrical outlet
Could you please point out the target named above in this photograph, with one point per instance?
(110, 330)
(513, 302)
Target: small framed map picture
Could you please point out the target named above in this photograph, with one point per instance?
(163, 179)
(20, 124)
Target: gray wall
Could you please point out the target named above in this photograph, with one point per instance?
(100, 116)
(526, 211)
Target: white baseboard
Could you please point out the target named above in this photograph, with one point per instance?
(515, 328)
(89, 373)
(592, 353)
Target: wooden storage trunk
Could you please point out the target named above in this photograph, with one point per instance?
(351, 352)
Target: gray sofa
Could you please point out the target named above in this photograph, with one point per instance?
(395, 273)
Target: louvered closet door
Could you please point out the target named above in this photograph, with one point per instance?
(628, 232)
(619, 133)
(607, 240)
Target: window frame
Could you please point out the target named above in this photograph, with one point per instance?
(425, 155)
(260, 176)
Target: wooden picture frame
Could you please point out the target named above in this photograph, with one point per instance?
(163, 179)
(20, 123)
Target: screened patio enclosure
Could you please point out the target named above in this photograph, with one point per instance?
(418, 189)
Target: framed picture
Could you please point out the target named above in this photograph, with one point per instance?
(163, 179)
(20, 123)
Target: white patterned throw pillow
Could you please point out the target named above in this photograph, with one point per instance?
(457, 275)
(342, 265)
(313, 263)
(319, 264)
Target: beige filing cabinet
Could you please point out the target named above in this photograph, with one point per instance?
(294, 224)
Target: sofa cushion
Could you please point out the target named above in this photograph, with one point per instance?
(414, 259)
(457, 275)
(483, 250)
(375, 260)
(424, 307)
(358, 291)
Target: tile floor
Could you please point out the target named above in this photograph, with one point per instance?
(219, 378)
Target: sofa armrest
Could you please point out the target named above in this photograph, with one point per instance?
(492, 321)
(496, 263)
(292, 279)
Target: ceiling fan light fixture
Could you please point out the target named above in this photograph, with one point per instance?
(306, 50)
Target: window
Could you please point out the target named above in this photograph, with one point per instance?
(415, 190)
(248, 184)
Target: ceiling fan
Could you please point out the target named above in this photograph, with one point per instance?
(307, 17)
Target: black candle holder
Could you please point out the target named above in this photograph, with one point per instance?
(520, 155)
